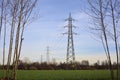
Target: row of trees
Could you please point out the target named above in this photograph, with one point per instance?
(61, 66)
(14, 15)
(106, 16)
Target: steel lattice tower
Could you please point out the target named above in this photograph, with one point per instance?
(70, 57)
(47, 55)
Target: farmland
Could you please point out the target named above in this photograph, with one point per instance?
(63, 74)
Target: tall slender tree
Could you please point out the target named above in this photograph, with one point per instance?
(115, 17)
(1, 16)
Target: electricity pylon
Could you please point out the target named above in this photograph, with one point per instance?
(47, 55)
(70, 57)
(41, 60)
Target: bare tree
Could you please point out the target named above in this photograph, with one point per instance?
(14, 8)
(25, 11)
(115, 18)
(4, 33)
(98, 9)
(16, 14)
(1, 16)
(107, 13)
(4, 41)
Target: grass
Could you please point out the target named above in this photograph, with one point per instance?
(63, 75)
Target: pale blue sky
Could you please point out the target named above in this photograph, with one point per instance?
(48, 28)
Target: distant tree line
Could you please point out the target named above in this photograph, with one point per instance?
(84, 65)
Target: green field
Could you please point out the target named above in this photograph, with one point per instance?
(63, 75)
